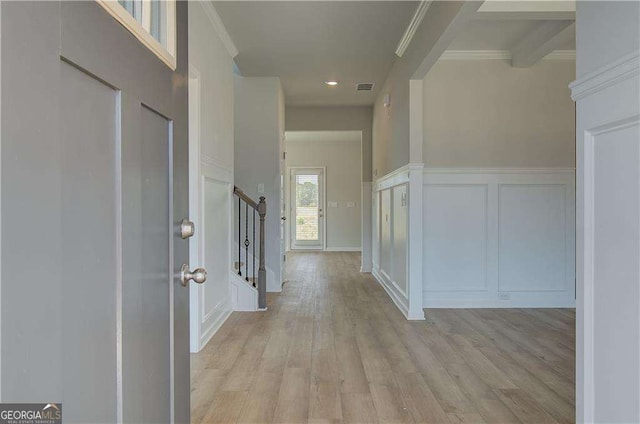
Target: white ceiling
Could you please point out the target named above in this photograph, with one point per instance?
(320, 136)
(306, 43)
(486, 34)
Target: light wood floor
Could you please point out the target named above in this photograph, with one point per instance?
(333, 348)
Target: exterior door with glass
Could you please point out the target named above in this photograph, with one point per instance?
(307, 208)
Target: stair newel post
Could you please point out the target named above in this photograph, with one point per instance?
(262, 270)
(246, 241)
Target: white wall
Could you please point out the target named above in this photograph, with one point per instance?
(486, 113)
(210, 171)
(342, 161)
(259, 130)
(608, 212)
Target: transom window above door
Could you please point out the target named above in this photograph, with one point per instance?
(152, 22)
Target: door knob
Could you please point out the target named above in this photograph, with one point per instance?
(187, 228)
(284, 218)
(199, 275)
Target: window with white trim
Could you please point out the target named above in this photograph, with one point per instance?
(152, 22)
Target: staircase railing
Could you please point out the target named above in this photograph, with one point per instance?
(247, 242)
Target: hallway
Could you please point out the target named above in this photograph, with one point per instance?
(333, 348)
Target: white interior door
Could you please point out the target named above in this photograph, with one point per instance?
(307, 208)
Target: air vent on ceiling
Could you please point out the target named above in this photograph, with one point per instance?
(365, 86)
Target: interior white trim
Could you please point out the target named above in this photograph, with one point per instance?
(416, 20)
(342, 249)
(624, 68)
(501, 55)
(220, 314)
(550, 170)
(165, 54)
(216, 21)
(396, 295)
(396, 177)
(588, 255)
(365, 258)
(561, 55)
(216, 168)
(244, 297)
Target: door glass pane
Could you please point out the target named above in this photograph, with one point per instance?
(158, 19)
(307, 207)
(134, 7)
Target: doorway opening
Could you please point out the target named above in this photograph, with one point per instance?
(324, 192)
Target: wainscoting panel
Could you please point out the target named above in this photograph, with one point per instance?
(499, 238)
(532, 238)
(391, 215)
(400, 237)
(375, 230)
(385, 232)
(455, 245)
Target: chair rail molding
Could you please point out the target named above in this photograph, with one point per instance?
(216, 168)
(622, 69)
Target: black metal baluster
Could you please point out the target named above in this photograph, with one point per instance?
(239, 235)
(246, 241)
(253, 246)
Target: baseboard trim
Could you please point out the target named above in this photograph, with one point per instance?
(391, 293)
(492, 304)
(213, 328)
(343, 249)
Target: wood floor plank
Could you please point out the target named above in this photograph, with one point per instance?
(358, 408)
(333, 348)
(225, 408)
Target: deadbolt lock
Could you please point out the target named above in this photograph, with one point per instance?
(187, 228)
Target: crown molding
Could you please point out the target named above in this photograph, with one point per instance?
(216, 21)
(561, 55)
(501, 55)
(476, 55)
(622, 69)
(413, 27)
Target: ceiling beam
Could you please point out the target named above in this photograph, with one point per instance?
(443, 23)
(544, 39)
(527, 10)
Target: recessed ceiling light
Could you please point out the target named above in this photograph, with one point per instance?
(332, 83)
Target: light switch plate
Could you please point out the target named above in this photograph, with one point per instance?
(351, 204)
(333, 204)
(260, 188)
